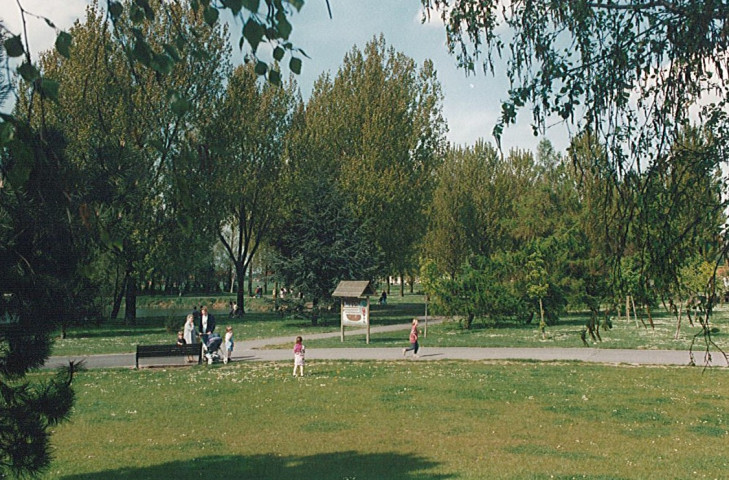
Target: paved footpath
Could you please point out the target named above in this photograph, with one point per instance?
(255, 351)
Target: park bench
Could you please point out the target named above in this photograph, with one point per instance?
(173, 350)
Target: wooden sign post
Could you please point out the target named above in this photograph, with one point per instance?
(354, 298)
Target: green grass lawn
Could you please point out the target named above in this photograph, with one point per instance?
(566, 334)
(396, 420)
(260, 322)
(118, 338)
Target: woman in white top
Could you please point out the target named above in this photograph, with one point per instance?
(190, 333)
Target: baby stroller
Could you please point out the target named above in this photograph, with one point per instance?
(211, 349)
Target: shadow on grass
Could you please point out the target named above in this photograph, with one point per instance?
(327, 466)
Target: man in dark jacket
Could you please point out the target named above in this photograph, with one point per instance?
(207, 324)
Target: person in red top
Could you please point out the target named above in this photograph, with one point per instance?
(413, 340)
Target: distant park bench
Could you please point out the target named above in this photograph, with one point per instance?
(174, 350)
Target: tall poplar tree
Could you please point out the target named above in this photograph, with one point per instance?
(379, 123)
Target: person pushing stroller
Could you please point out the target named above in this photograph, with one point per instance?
(207, 324)
(206, 330)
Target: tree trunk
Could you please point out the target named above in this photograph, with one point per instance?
(593, 327)
(240, 272)
(402, 285)
(265, 280)
(635, 312)
(130, 305)
(469, 321)
(541, 316)
(678, 322)
(650, 317)
(233, 268)
(232, 279)
(315, 312)
(627, 311)
(250, 278)
(275, 295)
(118, 295)
(412, 284)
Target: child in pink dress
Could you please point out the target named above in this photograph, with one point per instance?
(299, 351)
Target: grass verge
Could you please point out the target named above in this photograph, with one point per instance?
(260, 322)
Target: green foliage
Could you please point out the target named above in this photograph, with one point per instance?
(698, 277)
(28, 414)
(378, 128)
(681, 211)
(14, 46)
(467, 207)
(536, 276)
(653, 179)
(137, 158)
(245, 143)
(40, 255)
(321, 243)
(483, 287)
(40, 250)
(510, 208)
(613, 50)
(63, 44)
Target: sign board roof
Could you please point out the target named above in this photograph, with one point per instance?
(354, 289)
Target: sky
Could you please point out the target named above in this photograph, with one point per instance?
(471, 103)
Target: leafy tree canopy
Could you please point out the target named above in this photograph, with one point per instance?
(628, 70)
(631, 75)
(321, 243)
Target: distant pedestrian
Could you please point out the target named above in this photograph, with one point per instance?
(414, 346)
(383, 298)
(299, 352)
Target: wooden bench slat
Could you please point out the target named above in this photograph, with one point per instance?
(169, 350)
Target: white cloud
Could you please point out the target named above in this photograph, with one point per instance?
(466, 126)
(41, 36)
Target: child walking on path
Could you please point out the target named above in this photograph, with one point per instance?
(299, 351)
(413, 340)
(228, 342)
